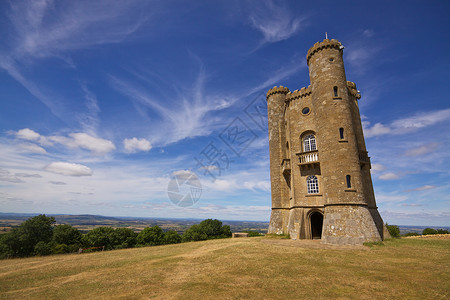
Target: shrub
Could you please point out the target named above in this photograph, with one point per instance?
(42, 248)
(172, 237)
(252, 233)
(100, 236)
(194, 233)
(394, 231)
(124, 238)
(411, 234)
(151, 236)
(428, 231)
(442, 231)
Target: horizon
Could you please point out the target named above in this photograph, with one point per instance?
(109, 108)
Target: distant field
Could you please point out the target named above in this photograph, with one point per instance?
(257, 268)
(84, 223)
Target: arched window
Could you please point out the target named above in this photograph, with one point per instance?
(335, 90)
(309, 143)
(349, 181)
(312, 184)
(341, 133)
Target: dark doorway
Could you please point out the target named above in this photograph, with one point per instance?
(316, 225)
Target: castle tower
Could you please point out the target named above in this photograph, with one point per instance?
(319, 167)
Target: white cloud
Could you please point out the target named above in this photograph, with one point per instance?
(377, 129)
(97, 145)
(406, 125)
(260, 185)
(378, 167)
(390, 198)
(389, 176)
(28, 134)
(7, 176)
(33, 148)
(134, 144)
(422, 188)
(274, 21)
(69, 169)
(422, 149)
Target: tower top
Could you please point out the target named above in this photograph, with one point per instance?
(322, 45)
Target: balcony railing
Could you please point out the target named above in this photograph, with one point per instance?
(308, 157)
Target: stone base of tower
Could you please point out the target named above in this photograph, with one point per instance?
(349, 225)
(278, 221)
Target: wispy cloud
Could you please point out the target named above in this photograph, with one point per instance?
(275, 21)
(69, 169)
(422, 149)
(422, 188)
(408, 124)
(389, 176)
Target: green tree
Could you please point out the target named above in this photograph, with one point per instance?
(442, 231)
(99, 237)
(172, 237)
(151, 236)
(66, 234)
(394, 231)
(21, 241)
(214, 229)
(124, 238)
(194, 233)
(42, 248)
(428, 231)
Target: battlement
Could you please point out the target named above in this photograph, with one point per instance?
(323, 45)
(304, 92)
(352, 90)
(277, 90)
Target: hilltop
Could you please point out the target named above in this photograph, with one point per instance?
(270, 268)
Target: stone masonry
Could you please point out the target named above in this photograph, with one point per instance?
(319, 165)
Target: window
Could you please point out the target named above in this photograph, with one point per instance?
(312, 185)
(309, 143)
(305, 110)
(349, 181)
(341, 133)
(335, 90)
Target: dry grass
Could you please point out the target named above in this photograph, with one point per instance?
(255, 268)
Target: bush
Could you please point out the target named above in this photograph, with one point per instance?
(124, 238)
(194, 233)
(394, 231)
(99, 237)
(172, 237)
(442, 231)
(66, 234)
(151, 236)
(428, 231)
(411, 234)
(252, 233)
(42, 248)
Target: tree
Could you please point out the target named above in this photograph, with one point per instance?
(21, 241)
(214, 229)
(124, 238)
(428, 231)
(66, 234)
(394, 231)
(42, 248)
(194, 233)
(151, 236)
(172, 237)
(99, 237)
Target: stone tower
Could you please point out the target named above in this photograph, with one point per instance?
(319, 166)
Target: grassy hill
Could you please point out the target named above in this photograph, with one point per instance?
(258, 268)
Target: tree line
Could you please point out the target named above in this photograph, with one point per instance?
(40, 236)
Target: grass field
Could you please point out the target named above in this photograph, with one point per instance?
(257, 268)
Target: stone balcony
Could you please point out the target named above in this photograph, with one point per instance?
(308, 158)
(364, 158)
(286, 166)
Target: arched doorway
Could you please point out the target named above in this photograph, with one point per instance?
(316, 225)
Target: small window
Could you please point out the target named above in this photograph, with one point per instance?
(331, 59)
(335, 91)
(287, 145)
(349, 181)
(309, 143)
(341, 133)
(305, 110)
(312, 185)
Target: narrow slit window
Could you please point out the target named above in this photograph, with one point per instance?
(312, 185)
(335, 91)
(341, 133)
(349, 181)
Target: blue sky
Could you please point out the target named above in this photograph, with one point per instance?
(102, 102)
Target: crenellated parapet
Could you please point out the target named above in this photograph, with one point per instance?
(277, 90)
(323, 45)
(353, 90)
(297, 94)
